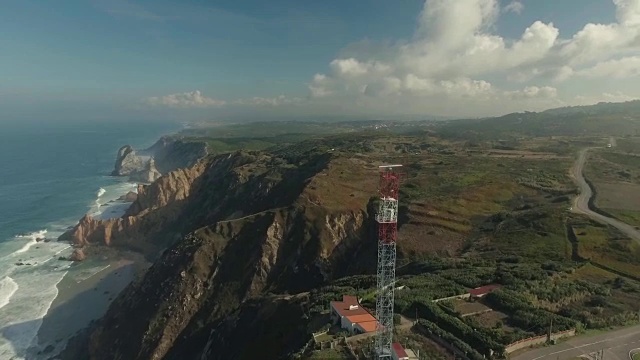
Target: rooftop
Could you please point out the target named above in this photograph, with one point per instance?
(399, 350)
(361, 318)
(368, 326)
(482, 290)
(347, 307)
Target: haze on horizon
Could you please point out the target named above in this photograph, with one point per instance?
(126, 59)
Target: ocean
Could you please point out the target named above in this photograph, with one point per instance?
(50, 176)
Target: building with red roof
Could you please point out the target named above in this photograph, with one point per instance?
(483, 290)
(352, 316)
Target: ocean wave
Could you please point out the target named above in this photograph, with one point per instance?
(22, 318)
(108, 205)
(34, 236)
(8, 287)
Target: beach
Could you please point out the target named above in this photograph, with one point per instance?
(46, 299)
(50, 180)
(81, 301)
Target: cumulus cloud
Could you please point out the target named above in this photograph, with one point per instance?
(514, 7)
(617, 68)
(185, 100)
(454, 54)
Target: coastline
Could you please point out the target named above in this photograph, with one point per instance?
(84, 294)
(45, 300)
(80, 301)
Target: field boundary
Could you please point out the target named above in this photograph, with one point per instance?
(537, 340)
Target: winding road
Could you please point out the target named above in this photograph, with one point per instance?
(581, 202)
(619, 344)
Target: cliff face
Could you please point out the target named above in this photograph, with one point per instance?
(167, 154)
(259, 230)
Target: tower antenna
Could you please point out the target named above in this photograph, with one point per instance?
(387, 219)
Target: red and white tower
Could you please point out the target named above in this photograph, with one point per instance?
(387, 218)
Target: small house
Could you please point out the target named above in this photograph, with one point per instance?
(483, 290)
(352, 316)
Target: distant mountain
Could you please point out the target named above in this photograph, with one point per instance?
(601, 119)
(601, 108)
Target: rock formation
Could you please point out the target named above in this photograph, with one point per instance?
(127, 162)
(129, 197)
(253, 226)
(77, 255)
(167, 154)
(147, 175)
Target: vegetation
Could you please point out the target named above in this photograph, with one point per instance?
(327, 354)
(482, 201)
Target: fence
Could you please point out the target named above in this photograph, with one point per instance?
(349, 348)
(454, 297)
(537, 340)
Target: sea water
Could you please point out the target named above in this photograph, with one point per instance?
(50, 176)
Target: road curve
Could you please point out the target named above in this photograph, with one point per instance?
(616, 345)
(581, 202)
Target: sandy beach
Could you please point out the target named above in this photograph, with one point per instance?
(81, 300)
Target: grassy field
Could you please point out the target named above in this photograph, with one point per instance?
(627, 216)
(630, 145)
(476, 208)
(636, 356)
(605, 247)
(616, 177)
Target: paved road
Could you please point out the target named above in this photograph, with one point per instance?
(616, 345)
(581, 202)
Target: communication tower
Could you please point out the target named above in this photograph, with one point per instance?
(387, 218)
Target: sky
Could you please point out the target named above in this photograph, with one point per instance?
(196, 59)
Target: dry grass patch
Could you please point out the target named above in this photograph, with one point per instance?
(623, 196)
(592, 274)
(464, 307)
(346, 184)
(602, 246)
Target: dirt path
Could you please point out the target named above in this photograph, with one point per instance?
(581, 202)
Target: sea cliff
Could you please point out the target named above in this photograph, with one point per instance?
(230, 231)
(167, 154)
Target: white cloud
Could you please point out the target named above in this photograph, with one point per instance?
(617, 68)
(617, 96)
(454, 57)
(275, 101)
(529, 92)
(514, 7)
(185, 100)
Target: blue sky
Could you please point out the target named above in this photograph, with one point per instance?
(116, 53)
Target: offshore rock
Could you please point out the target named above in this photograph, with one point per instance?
(127, 162)
(167, 154)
